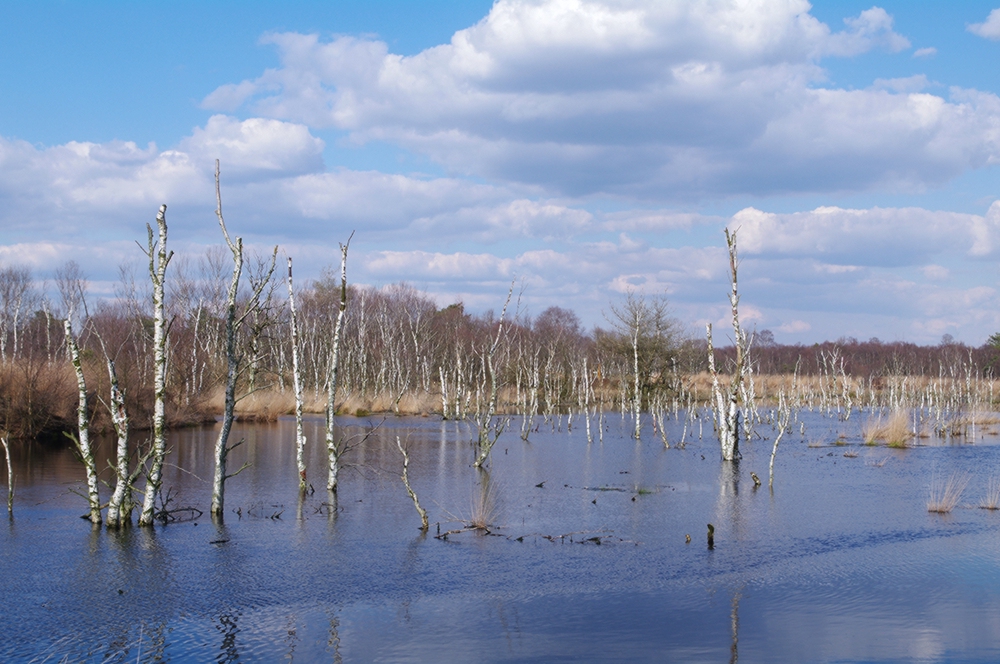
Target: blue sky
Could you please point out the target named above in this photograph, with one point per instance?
(585, 148)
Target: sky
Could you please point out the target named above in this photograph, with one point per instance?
(582, 149)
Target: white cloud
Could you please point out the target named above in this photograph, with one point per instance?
(873, 237)
(935, 272)
(794, 327)
(256, 148)
(663, 100)
(925, 52)
(989, 29)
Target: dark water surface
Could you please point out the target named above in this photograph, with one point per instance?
(841, 563)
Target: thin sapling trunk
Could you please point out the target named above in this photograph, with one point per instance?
(233, 323)
(424, 523)
(158, 260)
(10, 476)
(82, 439)
(333, 446)
(300, 437)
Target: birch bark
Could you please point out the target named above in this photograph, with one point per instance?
(120, 506)
(82, 439)
(300, 437)
(158, 260)
(333, 446)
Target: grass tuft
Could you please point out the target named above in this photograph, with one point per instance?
(895, 431)
(992, 499)
(944, 497)
(485, 510)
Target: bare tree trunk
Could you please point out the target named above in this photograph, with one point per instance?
(82, 439)
(120, 506)
(424, 524)
(783, 416)
(726, 404)
(488, 430)
(637, 394)
(333, 446)
(222, 448)
(158, 259)
(10, 476)
(300, 437)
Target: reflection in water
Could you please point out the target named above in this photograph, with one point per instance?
(228, 626)
(292, 637)
(333, 638)
(734, 655)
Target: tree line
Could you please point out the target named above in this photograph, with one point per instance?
(401, 352)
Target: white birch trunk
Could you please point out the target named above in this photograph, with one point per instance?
(332, 444)
(637, 395)
(222, 448)
(120, 506)
(300, 437)
(83, 426)
(10, 476)
(783, 416)
(158, 259)
(424, 523)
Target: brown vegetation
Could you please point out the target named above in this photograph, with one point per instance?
(402, 353)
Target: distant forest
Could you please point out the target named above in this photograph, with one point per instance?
(401, 352)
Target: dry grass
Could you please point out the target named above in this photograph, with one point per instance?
(944, 497)
(992, 499)
(268, 405)
(894, 431)
(36, 397)
(485, 512)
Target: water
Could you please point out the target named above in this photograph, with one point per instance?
(842, 562)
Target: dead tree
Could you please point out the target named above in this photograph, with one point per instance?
(300, 437)
(490, 430)
(726, 401)
(10, 476)
(782, 418)
(335, 447)
(424, 524)
(158, 260)
(233, 323)
(82, 438)
(121, 504)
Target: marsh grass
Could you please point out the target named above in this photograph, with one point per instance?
(944, 497)
(991, 501)
(484, 510)
(895, 431)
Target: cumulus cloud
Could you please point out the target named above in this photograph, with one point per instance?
(274, 185)
(870, 237)
(667, 100)
(988, 29)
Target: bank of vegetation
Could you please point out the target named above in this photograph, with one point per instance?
(404, 354)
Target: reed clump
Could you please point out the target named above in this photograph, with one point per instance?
(944, 497)
(894, 431)
(991, 501)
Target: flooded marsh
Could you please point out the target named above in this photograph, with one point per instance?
(563, 550)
